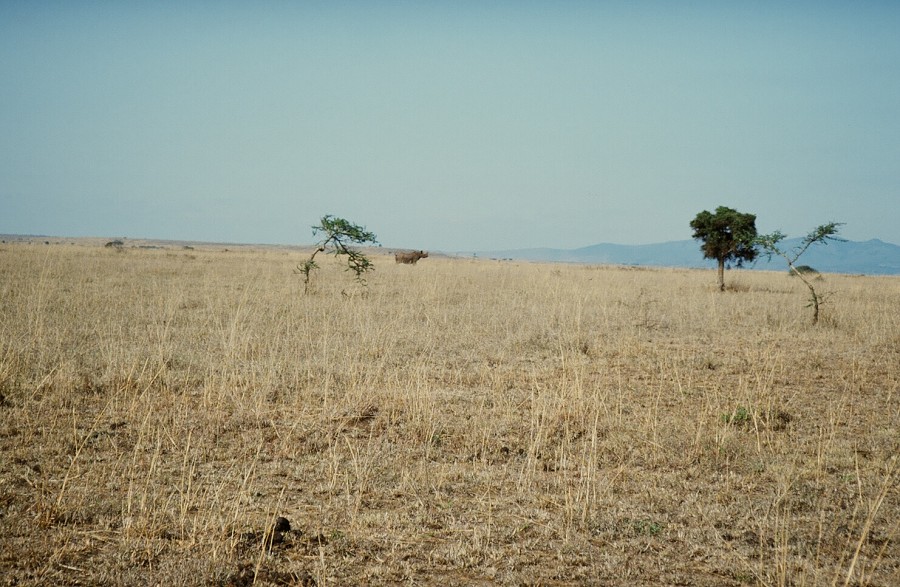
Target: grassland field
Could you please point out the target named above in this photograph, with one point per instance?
(456, 422)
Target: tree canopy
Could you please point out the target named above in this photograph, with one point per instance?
(728, 236)
(771, 244)
(337, 235)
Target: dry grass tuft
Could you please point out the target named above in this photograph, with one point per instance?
(460, 422)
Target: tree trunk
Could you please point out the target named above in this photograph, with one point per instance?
(813, 299)
(813, 296)
(815, 302)
(721, 274)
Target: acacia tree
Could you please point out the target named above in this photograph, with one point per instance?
(821, 234)
(337, 236)
(728, 237)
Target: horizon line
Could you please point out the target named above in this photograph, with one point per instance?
(381, 245)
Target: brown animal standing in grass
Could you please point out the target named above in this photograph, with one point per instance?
(410, 258)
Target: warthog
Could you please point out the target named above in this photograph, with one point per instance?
(409, 258)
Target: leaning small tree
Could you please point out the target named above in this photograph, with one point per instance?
(338, 235)
(728, 237)
(821, 234)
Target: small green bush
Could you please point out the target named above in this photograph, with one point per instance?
(740, 415)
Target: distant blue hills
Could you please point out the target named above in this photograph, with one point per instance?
(871, 257)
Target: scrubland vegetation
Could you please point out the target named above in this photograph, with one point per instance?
(458, 422)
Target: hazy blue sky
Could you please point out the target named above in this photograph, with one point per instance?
(447, 125)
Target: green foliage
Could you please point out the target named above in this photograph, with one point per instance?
(727, 234)
(341, 231)
(821, 234)
(338, 235)
(646, 527)
(739, 416)
(728, 237)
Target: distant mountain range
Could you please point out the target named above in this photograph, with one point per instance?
(872, 257)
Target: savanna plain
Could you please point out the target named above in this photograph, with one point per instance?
(175, 416)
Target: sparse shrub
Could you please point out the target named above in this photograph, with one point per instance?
(339, 234)
(803, 270)
(821, 235)
(739, 416)
(650, 527)
(646, 527)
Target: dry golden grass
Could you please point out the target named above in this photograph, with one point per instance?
(459, 422)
